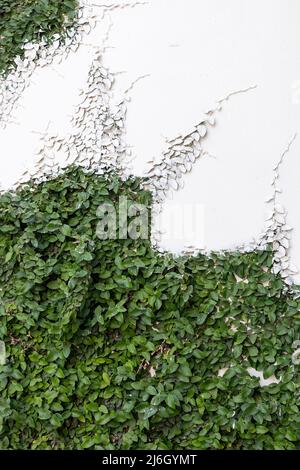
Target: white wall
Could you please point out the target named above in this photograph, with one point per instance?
(194, 53)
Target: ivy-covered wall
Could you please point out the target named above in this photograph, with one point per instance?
(23, 21)
(111, 345)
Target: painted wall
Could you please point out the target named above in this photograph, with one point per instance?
(175, 59)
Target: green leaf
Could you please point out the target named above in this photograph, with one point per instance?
(261, 430)
(66, 230)
(291, 436)
(44, 414)
(106, 378)
(149, 411)
(151, 390)
(171, 401)
(9, 256)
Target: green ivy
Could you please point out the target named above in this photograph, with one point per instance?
(111, 345)
(24, 21)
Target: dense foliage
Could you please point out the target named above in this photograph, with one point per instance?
(112, 345)
(24, 21)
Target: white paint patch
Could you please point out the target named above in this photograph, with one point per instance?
(262, 381)
(192, 53)
(254, 373)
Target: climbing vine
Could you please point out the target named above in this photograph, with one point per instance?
(108, 344)
(23, 21)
